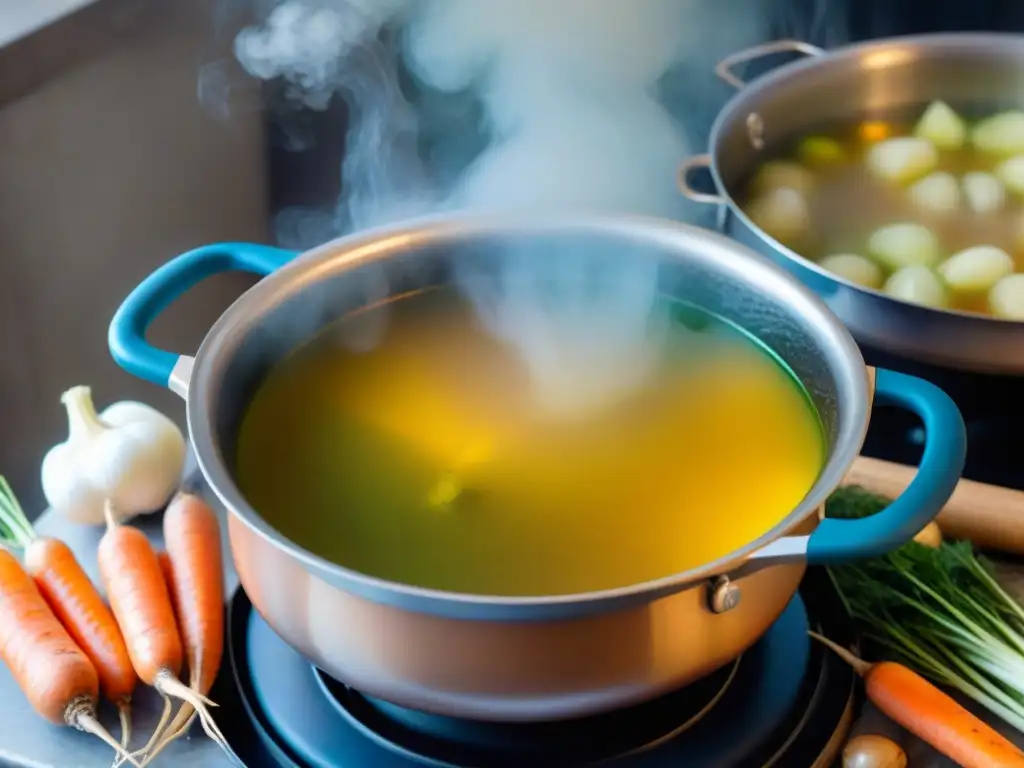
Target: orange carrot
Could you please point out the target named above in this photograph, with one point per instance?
(165, 569)
(192, 538)
(55, 674)
(141, 603)
(87, 618)
(195, 575)
(75, 601)
(142, 607)
(931, 715)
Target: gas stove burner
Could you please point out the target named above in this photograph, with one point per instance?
(569, 742)
(783, 703)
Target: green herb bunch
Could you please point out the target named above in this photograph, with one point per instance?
(939, 610)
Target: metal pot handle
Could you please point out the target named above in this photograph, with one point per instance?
(127, 335)
(688, 166)
(945, 448)
(726, 65)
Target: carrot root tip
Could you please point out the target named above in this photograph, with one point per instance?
(860, 666)
(158, 731)
(178, 728)
(166, 683)
(85, 720)
(124, 715)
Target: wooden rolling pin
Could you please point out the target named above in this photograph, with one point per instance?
(989, 515)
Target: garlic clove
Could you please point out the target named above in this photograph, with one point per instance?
(984, 192)
(976, 269)
(854, 268)
(138, 469)
(937, 192)
(1001, 134)
(902, 159)
(918, 285)
(75, 499)
(942, 126)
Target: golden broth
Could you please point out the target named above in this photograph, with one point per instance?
(424, 461)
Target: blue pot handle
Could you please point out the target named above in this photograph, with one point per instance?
(945, 448)
(127, 335)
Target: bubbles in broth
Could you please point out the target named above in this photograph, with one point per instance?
(925, 206)
(426, 460)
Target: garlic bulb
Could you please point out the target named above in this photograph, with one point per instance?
(131, 455)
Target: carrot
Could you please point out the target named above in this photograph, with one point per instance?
(142, 607)
(165, 568)
(55, 675)
(194, 572)
(930, 714)
(77, 604)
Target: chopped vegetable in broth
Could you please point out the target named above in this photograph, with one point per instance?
(929, 210)
(425, 460)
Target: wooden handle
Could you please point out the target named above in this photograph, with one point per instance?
(989, 515)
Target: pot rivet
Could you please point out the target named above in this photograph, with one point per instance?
(755, 130)
(723, 595)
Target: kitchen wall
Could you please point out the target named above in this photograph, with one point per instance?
(109, 165)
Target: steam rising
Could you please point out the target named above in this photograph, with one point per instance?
(574, 119)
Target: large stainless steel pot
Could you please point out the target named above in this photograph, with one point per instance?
(852, 83)
(518, 659)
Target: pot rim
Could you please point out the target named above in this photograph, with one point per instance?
(734, 108)
(347, 252)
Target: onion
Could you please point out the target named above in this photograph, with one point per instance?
(871, 751)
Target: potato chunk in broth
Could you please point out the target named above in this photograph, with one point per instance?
(929, 190)
(426, 461)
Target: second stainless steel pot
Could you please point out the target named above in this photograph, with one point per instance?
(852, 83)
(528, 658)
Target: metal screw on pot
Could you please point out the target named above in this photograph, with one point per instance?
(724, 595)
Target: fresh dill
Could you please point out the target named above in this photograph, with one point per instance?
(939, 610)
